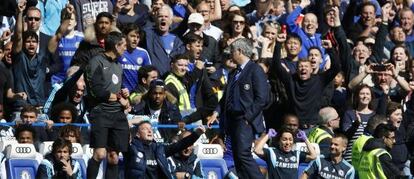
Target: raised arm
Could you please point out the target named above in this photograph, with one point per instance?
(328, 75)
(311, 155)
(216, 15)
(401, 80)
(280, 71)
(185, 142)
(344, 50)
(18, 39)
(291, 18)
(358, 79)
(380, 37)
(62, 30)
(349, 15)
(258, 149)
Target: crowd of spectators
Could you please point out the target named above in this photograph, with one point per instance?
(339, 73)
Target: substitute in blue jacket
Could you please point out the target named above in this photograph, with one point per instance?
(184, 164)
(59, 164)
(147, 159)
(333, 166)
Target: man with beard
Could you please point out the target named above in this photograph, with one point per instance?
(160, 43)
(304, 90)
(160, 110)
(148, 159)
(332, 166)
(185, 164)
(94, 39)
(29, 67)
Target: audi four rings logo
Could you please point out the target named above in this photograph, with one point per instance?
(23, 150)
(210, 151)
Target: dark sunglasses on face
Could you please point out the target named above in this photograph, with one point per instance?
(238, 22)
(33, 18)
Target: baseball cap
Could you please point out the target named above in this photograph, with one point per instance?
(196, 18)
(156, 83)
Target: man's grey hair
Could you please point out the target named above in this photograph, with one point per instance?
(166, 7)
(326, 114)
(245, 45)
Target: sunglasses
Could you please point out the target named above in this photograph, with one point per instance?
(33, 18)
(238, 22)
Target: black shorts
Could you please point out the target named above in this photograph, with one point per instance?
(109, 130)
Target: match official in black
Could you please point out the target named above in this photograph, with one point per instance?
(107, 101)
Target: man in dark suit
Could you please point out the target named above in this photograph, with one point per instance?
(244, 99)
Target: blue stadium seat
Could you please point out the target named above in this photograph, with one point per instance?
(5, 143)
(21, 161)
(214, 168)
(45, 147)
(211, 160)
(77, 154)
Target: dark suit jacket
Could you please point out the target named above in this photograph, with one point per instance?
(43, 41)
(254, 92)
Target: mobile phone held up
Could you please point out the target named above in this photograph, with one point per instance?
(283, 29)
(379, 67)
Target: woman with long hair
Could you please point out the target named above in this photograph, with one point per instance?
(235, 29)
(355, 120)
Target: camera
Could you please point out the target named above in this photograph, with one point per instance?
(209, 64)
(379, 67)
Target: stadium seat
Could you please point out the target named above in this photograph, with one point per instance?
(45, 147)
(77, 154)
(211, 160)
(5, 143)
(87, 151)
(21, 161)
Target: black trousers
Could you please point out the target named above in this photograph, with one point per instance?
(242, 137)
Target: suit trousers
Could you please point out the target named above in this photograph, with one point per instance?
(242, 136)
